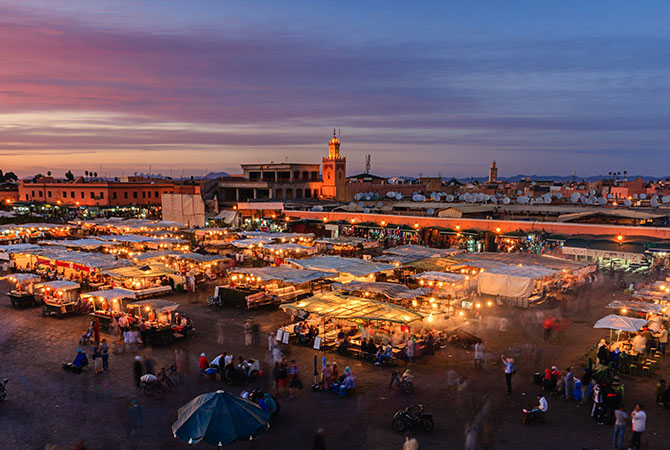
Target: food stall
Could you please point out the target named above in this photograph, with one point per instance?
(146, 280)
(274, 285)
(105, 304)
(160, 319)
(348, 269)
(58, 297)
(336, 311)
(23, 293)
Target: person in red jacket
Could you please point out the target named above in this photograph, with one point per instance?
(203, 363)
(548, 324)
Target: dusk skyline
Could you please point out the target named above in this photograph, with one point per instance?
(542, 89)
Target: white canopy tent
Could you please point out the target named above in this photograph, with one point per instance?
(352, 266)
(620, 323)
(511, 281)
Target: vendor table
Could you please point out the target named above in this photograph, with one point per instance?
(22, 299)
(55, 308)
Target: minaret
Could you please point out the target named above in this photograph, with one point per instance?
(493, 173)
(334, 171)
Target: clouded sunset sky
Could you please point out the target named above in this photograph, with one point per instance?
(195, 86)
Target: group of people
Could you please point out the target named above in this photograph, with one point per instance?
(231, 372)
(332, 380)
(286, 377)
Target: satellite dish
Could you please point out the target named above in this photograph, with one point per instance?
(592, 192)
(627, 202)
(537, 200)
(559, 196)
(317, 208)
(654, 203)
(450, 198)
(574, 198)
(431, 211)
(379, 204)
(643, 196)
(506, 200)
(357, 196)
(366, 210)
(494, 200)
(390, 194)
(361, 204)
(602, 201)
(665, 199)
(398, 196)
(635, 196)
(610, 196)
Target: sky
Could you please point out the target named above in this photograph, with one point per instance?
(433, 88)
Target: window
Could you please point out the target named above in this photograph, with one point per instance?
(82, 194)
(39, 193)
(156, 194)
(102, 195)
(114, 195)
(135, 194)
(125, 195)
(72, 194)
(64, 194)
(92, 194)
(144, 194)
(33, 193)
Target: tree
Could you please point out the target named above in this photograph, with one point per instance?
(69, 176)
(95, 174)
(625, 173)
(37, 177)
(86, 172)
(48, 173)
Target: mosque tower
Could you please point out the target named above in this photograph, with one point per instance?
(334, 171)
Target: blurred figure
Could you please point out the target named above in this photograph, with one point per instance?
(319, 440)
(410, 443)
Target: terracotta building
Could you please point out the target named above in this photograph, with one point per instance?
(94, 192)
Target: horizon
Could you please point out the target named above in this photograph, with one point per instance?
(449, 88)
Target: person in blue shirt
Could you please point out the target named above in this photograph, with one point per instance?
(81, 360)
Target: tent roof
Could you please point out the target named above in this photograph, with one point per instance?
(622, 323)
(285, 274)
(342, 240)
(21, 277)
(338, 306)
(111, 294)
(18, 248)
(636, 306)
(246, 243)
(440, 276)
(158, 305)
(93, 260)
(156, 254)
(140, 271)
(272, 236)
(421, 252)
(354, 266)
(80, 243)
(390, 290)
(58, 285)
(288, 246)
(432, 264)
(198, 257)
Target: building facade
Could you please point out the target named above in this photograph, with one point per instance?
(82, 192)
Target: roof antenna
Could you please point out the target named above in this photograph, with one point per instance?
(339, 134)
(367, 164)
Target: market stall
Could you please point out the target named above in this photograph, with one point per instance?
(23, 293)
(145, 280)
(58, 297)
(346, 268)
(161, 321)
(275, 285)
(105, 304)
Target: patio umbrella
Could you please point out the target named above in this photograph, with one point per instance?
(219, 418)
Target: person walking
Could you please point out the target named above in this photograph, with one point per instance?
(248, 333)
(137, 370)
(569, 380)
(663, 339)
(479, 354)
(510, 370)
(104, 354)
(319, 442)
(410, 443)
(410, 350)
(135, 415)
(619, 427)
(294, 379)
(97, 359)
(639, 418)
(586, 385)
(502, 327)
(219, 332)
(96, 330)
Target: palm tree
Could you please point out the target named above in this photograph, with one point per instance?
(625, 173)
(95, 174)
(86, 172)
(48, 173)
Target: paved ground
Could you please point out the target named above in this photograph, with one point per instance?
(48, 408)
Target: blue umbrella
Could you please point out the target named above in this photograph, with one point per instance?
(219, 418)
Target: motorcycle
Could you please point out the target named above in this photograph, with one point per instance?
(153, 386)
(3, 392)
(406, 384)
(411, 417)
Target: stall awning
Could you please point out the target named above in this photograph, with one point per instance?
(200, 258)
(86, 244)
(440, 276)
(354, 266)
(289, 247)
(621, 323)
(21, 277)
(140, 271)
(337, 306)
(417, 252)
(58, 285)
(157, 305)
(285, 274)
(636, 306)
(390, 290)
(111, 294)
(251, 242)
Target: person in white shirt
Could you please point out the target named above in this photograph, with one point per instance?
(639, 418)
(542, 405)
